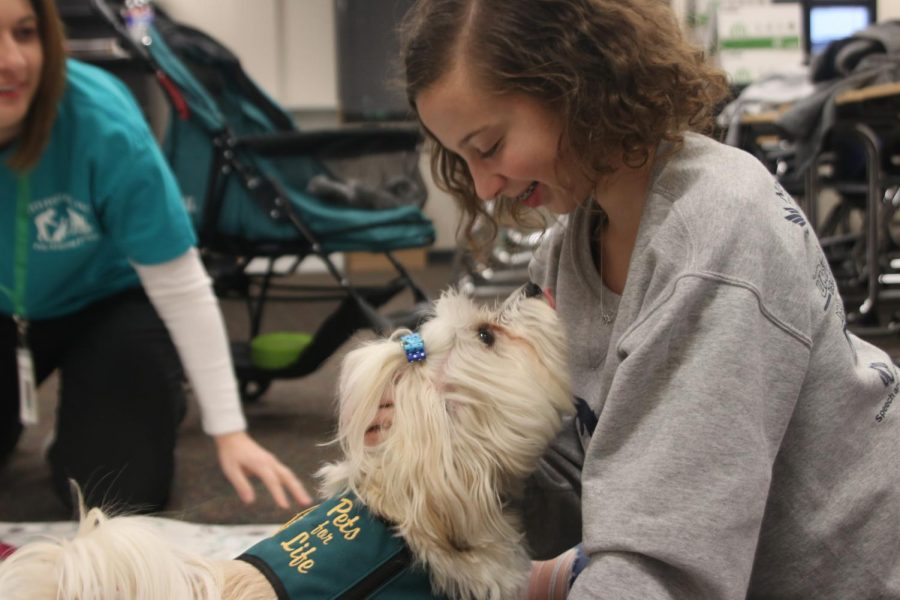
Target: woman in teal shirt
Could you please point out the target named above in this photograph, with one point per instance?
(100, 279)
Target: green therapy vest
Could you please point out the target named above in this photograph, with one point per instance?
(339, 550)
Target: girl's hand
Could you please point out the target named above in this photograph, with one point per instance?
(551, 579)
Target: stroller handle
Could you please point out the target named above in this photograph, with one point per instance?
(103, 8)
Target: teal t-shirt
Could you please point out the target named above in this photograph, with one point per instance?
(101, 195)
(339, 550)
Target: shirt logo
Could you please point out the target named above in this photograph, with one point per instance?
(62, 223)
(888, 378)
(884, 371)
(790, 207)
(795, 216)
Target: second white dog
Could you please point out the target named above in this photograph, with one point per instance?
(424, 512)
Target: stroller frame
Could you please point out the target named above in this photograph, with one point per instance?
(227, 257)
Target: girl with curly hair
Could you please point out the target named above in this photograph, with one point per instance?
(731, 435)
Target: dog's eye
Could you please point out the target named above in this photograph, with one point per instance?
(486, 336)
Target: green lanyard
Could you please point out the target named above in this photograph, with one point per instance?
(20, 260)
(28, 407)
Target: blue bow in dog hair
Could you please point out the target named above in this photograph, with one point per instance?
(414, 346)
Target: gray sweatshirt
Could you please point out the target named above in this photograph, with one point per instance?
(744, 444)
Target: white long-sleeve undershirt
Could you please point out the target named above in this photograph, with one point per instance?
(181, 293)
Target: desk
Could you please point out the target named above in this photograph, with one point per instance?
(882, 95)
(759, 134)
(869, 116)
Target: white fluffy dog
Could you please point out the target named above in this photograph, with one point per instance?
(468, 425)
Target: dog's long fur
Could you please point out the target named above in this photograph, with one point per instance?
(469, 425)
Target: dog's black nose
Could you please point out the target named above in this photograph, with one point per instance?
(532, 290)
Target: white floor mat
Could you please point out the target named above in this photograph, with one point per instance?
(211, 541)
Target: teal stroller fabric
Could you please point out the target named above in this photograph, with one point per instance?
(257, 188)
(232, 106)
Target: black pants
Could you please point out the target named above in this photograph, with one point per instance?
(120, 402)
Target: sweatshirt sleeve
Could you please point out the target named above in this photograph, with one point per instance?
(678, 470)
(552, 503)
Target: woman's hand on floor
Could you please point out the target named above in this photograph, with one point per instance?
(240, 457)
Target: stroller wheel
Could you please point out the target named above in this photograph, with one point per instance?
(251, 390)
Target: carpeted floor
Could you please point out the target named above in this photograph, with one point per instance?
(294, 419)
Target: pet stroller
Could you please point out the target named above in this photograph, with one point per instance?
(257, 188)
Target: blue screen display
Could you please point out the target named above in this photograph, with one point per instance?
(830, 23)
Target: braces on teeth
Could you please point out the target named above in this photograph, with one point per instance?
(528, 191)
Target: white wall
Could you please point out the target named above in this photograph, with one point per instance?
(309, 61)
(248, 33)
(888, 9)
(287, 46)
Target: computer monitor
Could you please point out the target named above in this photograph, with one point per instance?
(825, 21)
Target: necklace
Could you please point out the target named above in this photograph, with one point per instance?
(606, 317)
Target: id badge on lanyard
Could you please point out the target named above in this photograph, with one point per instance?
(28, 407)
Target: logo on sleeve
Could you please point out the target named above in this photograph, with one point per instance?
(62, 223)
(827, 287)
(794, 215)
(888, 378)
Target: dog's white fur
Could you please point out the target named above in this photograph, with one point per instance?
(469, 425)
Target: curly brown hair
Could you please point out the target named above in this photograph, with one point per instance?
(620, 74)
